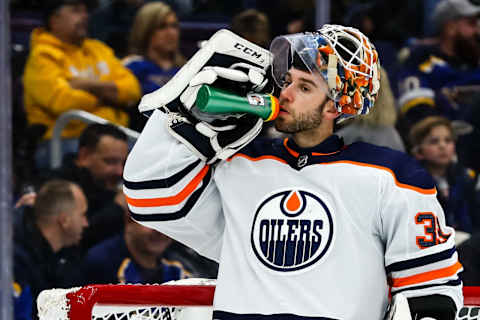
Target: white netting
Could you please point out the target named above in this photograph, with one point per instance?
(188, 299)
(53, 304)
(151, 313)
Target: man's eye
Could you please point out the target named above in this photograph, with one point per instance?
(305, 88)
(285, 83)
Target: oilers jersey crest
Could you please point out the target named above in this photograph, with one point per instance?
(292, 230)
(300, 233)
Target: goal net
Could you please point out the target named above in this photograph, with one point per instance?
(189, 299)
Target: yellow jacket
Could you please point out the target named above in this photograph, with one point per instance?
(52, 63)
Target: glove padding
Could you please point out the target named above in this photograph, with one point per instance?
(210, 142)
(215, 136)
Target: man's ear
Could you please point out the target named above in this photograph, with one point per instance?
(330, 112)
(63, 219)
(83, 156)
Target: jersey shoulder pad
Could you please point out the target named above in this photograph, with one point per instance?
(405, 169)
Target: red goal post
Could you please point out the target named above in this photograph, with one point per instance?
(176, 301)
(471, 297)
(134, 302)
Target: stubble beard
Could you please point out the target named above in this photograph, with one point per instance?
(302, 121)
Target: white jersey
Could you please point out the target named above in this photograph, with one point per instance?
(318, 233)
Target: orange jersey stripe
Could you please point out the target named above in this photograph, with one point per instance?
(401, 185)
(293, 153)
(257, 159)
(296, 154)
(173, 200)
(324, 154)
(432, 191)
(427, 276)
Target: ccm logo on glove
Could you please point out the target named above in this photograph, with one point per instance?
(249, 51)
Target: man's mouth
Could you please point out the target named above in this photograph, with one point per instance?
(282, 109)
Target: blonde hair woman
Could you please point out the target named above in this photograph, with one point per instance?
(154, 49)
(378, 127)
(154, 45)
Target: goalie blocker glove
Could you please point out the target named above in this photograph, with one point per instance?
(211, 143)
(437, 307)
(225, 61)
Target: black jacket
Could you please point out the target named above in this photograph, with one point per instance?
(36, 266)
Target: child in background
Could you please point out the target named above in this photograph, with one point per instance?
(433, 144)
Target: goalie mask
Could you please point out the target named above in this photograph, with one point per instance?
(342, 56)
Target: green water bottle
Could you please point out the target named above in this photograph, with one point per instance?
(216, 101)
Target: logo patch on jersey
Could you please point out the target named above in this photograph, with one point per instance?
(292, 230)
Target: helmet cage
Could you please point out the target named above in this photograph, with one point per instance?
(343, 57)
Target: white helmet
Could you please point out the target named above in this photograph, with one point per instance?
(342, 56)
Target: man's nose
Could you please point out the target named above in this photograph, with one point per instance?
(286, 94)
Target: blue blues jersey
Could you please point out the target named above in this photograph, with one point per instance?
(111, 262)
(150, 75)
(430, 78)
(22, 301)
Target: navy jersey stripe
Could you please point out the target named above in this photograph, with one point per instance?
(421, 261)
(222, 315)
(161, 183)
(177, 214)
(451, 283)
(406, 170)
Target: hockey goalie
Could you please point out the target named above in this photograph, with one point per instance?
(305, 227)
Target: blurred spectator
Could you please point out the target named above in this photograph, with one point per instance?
(433, 144)
(137, 255)
(293, 15)
(112, 21)
(468, 255)
(395, 22)
(45, 253)
(378, 127)
(97, 168)
(442, 76)
(254, 26)
(66, 70)
(153, 43)
(213, 11)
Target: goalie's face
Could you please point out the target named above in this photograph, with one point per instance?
(302, 101)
